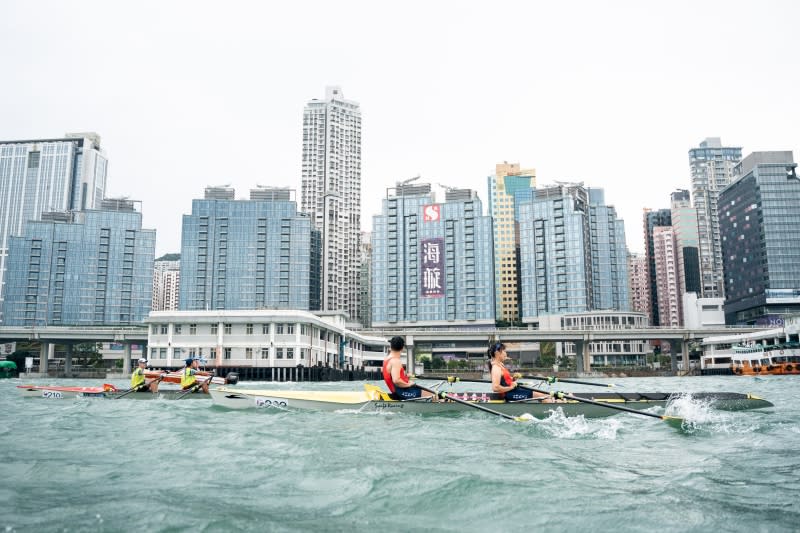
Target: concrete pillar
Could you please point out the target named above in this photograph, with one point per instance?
(685, 353)
(673, 356)
(587, 356)
(126, 358)
(44, 353)
(68, 360)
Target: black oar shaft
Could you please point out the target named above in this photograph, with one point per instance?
(470, 404)
(586, 400)
(553, 379)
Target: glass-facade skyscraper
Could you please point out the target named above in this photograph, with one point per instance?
(91, 267)
(38, 176)
(711, 167)
(248, 254)
(610, 284)
(555, 251)
(758, 220)
(432, 263)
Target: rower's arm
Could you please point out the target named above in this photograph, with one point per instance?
(396, 367)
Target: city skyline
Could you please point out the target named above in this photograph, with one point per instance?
(180, 108)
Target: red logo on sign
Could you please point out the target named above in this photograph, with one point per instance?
(431, 212)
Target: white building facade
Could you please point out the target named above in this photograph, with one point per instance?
(331, 194)
(166, 285)
(259, 338)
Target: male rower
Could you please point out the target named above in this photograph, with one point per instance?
(395, 377)
(137, 379)
(189, 376)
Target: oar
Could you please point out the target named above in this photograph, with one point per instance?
(134, 389)
(192, 389)
(473, 405)
(671, 420)
(553, 379)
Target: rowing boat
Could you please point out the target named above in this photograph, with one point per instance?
(106, 391)
(373, 398)
(175, 377)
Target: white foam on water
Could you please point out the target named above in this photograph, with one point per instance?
(569, 427)
(700, 416)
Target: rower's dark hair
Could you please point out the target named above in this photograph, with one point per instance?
(397, 343)
(494, 348)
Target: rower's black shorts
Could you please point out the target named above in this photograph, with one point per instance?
(409, 393)
(517, 394)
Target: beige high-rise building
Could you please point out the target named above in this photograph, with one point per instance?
(507, 180)
(640, 286)
(166, 285)
(667, 273)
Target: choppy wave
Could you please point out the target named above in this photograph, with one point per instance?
(98, 465)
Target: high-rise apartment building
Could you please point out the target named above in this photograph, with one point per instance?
(37, 176)
(639, 286)
(365, 302)
(609, 264)
(331, 194)
(687, 243)
(248, 254)
(166, 284)
(667, 283)
(432, 263)
(555, 252)
(507, 180)
(653, 219)
(711, 167)
(92, 267)
(758, 220)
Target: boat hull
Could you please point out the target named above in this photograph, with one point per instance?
(64, 393)
(367, 402)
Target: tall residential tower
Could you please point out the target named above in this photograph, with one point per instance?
(712, 170)
(506, 181)
(331, 194)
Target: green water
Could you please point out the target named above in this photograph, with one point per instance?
(159, 465)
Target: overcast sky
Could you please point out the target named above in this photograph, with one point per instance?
(187, 94)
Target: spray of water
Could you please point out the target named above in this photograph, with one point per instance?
(576, 427)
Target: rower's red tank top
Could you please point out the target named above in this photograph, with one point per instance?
(387, 376)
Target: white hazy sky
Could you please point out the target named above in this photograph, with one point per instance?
(186, 94)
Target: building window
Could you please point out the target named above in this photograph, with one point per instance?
(213, 353)
(248, 353)
(278, 329)
(290, 329)
(154, 329)
(249, 329)
(192, 329)
(228, 329)
(153, 351)
(176, 352)
(192, 352)
(289, 353)
(303, 352)
(214, 329)
(278, 353)
(164, 329)
(264, 353)
(227, 353)
(162, 352)
(265, 329)
(177, 328)
(303, 329)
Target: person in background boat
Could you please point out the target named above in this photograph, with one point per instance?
(400, 387)
(189, 376)
(137, 379)
(502, 381)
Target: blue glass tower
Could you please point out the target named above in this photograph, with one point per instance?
(248, 254)
(758, 214)
(432, 263)
(609, 255)
(84, 268)
(555, 251)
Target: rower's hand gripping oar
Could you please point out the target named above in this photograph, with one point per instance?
(193, 388)
(473, 405)
(134, 389)
(671, 420)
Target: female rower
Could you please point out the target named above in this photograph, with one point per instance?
(502, 382)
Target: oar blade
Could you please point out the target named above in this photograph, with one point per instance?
(674, 421)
